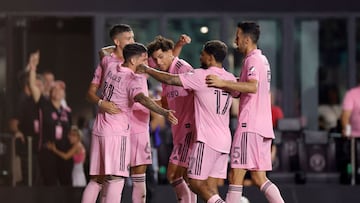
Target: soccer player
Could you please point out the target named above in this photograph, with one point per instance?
(110, 154)
(122, 35)
(252, 140)
(182, 102)
(209, 155)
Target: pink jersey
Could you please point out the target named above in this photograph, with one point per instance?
(105, 62)
(180, 100)
(140, 116)
(255, 108)
(212, 107)
(120, 86)
(352, 103)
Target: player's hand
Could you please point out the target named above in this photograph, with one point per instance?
(214, 81)
(109, 107)
(183, 40)
(141, 68)
(171, 117)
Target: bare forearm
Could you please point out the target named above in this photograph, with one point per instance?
(345, 118)
(164, 77)
(91, 95)
(150, 104)
(245, 87)
(35, 91)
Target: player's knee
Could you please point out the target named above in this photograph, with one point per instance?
(195, 185)
(258, 179)
(172, 175)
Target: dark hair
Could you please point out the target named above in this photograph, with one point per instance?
(250, 28)
(131, 50)
(160, 43)
(216, 48)
(118, 29)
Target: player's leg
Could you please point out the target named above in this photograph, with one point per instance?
(140, 158)
(92, 189)
(237, 172)
(204, 163)
(112, 189)
(139, 183)
(270, 190)
(177, 168)
(95, 184)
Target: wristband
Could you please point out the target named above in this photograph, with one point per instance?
(99, 102)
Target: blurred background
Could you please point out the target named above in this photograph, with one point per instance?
(313, 49)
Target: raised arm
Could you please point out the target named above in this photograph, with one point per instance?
(33, 63)
(183, 40)
(106, 51)
(246, 87)
(153, 106)
(164, 77)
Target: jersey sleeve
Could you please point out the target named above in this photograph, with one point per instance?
(252, 70)
(193, 80)
(136, 86)
(100, 70)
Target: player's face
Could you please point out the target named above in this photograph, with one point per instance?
(204, 59)
(142, 59)
(240, 40)
(163, 59)
(123, 39)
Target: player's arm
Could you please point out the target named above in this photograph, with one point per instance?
(246, 87)
(345, 120)
(106, 106)
(106, 51)
(183, 40)
(153, 106)
(33, 62)
(164, 77)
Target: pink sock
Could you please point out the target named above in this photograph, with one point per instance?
(215, 199)
(91, 192)
(193, 197)
(112, 191)
(182, 190)
(234, 194)
(271, 192)
(139, 188)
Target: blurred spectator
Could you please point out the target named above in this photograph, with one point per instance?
(329, 109)
(26, 124)
(49, 79)
(55, 121)
(76, 153)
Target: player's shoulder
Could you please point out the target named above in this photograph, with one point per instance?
(182, 64)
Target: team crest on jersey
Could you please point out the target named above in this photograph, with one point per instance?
(251, 71)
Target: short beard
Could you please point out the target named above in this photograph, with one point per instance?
(204, 66)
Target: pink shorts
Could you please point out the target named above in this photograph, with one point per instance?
(140, 149)
(206, 162)
(251, 151)
(181, 151)
(110, 155)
